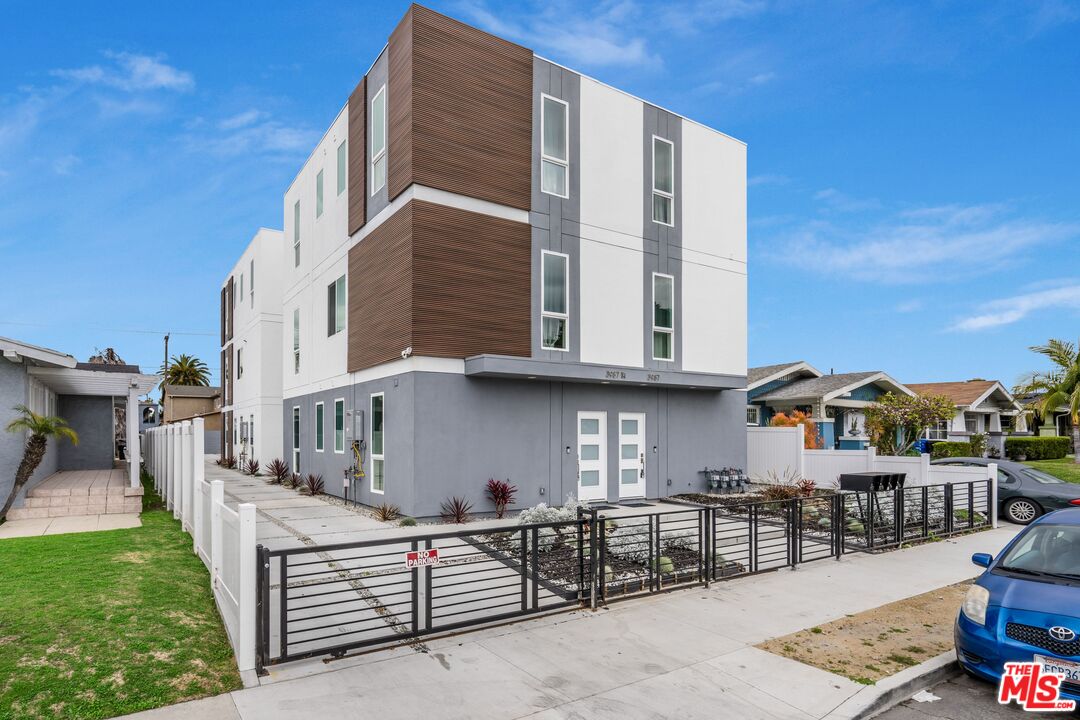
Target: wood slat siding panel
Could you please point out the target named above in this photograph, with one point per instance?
(357, 154)
(380, 293)
(399, 112)
(471, 275)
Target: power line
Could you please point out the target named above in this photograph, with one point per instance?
(105, 329)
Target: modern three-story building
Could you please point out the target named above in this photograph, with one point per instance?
(495, 267)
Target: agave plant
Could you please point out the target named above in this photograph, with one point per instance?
(312, 485)
(455, 510)
(387, 512)
(502, 494)
(279, 471)
(251, 467)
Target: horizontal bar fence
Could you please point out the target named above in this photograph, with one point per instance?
(330, 599)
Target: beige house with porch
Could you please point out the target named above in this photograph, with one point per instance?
(982, 406)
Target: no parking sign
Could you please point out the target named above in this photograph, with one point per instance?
(422, 558)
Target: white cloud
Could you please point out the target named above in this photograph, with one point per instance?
(923, 245)
(693, 17)
(240, 120)
(834, 200)
(65, 164)
(1009, 310)
(249, 135)
(132, 73)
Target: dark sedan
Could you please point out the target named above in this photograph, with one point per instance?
(1024, 492)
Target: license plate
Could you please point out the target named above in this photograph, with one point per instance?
(1068, 668)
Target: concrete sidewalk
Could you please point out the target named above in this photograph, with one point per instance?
(686, 654)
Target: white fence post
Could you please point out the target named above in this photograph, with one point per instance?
(992, 473)
(924, 468)
(245, 656)
(871, 458)
(185, 473)
(178, 469)
(800, 448)
(217, 500)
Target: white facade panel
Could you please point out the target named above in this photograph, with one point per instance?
(611, 302)
(714, 320)
(714, 193)
(611, 161)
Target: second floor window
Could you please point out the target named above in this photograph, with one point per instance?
(554, 300)
(342, 166)
(335, 306)
(296, 340)
(663, 317)
(663, 199)
(378, 140)
(554, 153)
(296, 234)
(319, 194)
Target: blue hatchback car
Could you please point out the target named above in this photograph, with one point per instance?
(1026, 606)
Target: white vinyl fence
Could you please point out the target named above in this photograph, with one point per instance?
(223, 538)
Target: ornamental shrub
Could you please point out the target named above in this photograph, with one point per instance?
(1037, 448)
(947, 449)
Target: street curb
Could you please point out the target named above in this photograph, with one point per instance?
(893, 690)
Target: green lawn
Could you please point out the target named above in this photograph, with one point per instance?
(94, 625)
(1064, 468)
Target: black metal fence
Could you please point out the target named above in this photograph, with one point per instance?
(331, 599)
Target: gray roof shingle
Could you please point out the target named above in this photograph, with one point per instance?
(817, 387)
(759, 373)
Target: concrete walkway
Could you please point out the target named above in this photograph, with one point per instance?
(686, 654)
(70, 524)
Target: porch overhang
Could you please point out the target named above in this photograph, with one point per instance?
(73, 381)
(520, 368)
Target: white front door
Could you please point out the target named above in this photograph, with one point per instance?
(592, 455)
(631, 455)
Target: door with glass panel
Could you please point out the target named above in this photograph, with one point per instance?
(592, 455)
(631, 455)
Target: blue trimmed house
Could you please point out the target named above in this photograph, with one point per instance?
(834, 401)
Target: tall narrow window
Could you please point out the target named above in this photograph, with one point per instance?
(342, 166)
(296, 439)
(554, 152)
(241, 293)
(335, 306)
(239, 363)
(296, 340)
(296, 234)
(318, 194)
(663, 317)
(339, 425)
(555, 301)
(663, 199)
(319, 427)
(251, 434)
(378, 140)
(378, 478)
(251, 281)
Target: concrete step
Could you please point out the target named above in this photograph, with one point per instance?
(83, 492)
(58, 506)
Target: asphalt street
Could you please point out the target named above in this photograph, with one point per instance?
(962, 698)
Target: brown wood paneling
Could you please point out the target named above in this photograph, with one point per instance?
(357, 152)
(380, 293)
(471, 291)
(399, 112)
(460, 110)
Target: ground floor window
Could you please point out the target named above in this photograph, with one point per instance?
(318, 427)
(753, 415)
(296, 439)
(971, 423)
(377, 443)
(339, 425)
(940, 431)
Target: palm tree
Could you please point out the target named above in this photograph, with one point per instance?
(186, 370)
(41, 428)
(1058, 387)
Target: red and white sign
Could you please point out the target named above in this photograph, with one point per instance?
(422, 558)
(1033, 687)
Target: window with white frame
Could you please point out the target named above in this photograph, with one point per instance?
(339, 425)
(971, 422)
(241, 293)
(555, 300)
(296, 234)
(335, 306)
(753, 415)
(554, 145)
(296, 340)
(378, 140)
(239, 363)
(663, 317)
(319, 194)
(377, 440)
(342, 166)
(663, 206)
(296, 439)
(938, 431)
(319, 426)
(251, 281)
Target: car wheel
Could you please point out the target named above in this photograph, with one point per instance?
(1022, 511)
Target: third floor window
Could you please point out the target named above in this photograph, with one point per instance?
(554, 151)
(378, 140)
(663, 181)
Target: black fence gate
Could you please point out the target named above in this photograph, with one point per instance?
(334, 598)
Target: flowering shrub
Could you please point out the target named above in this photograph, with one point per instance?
(811, 439)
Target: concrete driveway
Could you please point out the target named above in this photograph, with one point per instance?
(686, 654)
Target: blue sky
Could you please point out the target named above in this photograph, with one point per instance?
(913, 168)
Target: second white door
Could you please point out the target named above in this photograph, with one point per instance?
(631, 455)
(592, 456)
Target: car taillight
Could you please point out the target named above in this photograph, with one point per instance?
(1075, 502)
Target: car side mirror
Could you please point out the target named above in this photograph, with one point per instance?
(982, 559)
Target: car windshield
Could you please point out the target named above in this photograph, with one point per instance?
(1040, 476)
(1046, 550)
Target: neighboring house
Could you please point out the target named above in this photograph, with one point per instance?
(834, 402)
(982, 406)
(1058, 423)
(87, 395)
(187, 402)
(494, 266)
(251, 350)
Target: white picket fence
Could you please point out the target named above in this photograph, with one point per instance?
(223, 538)
(779, 452)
